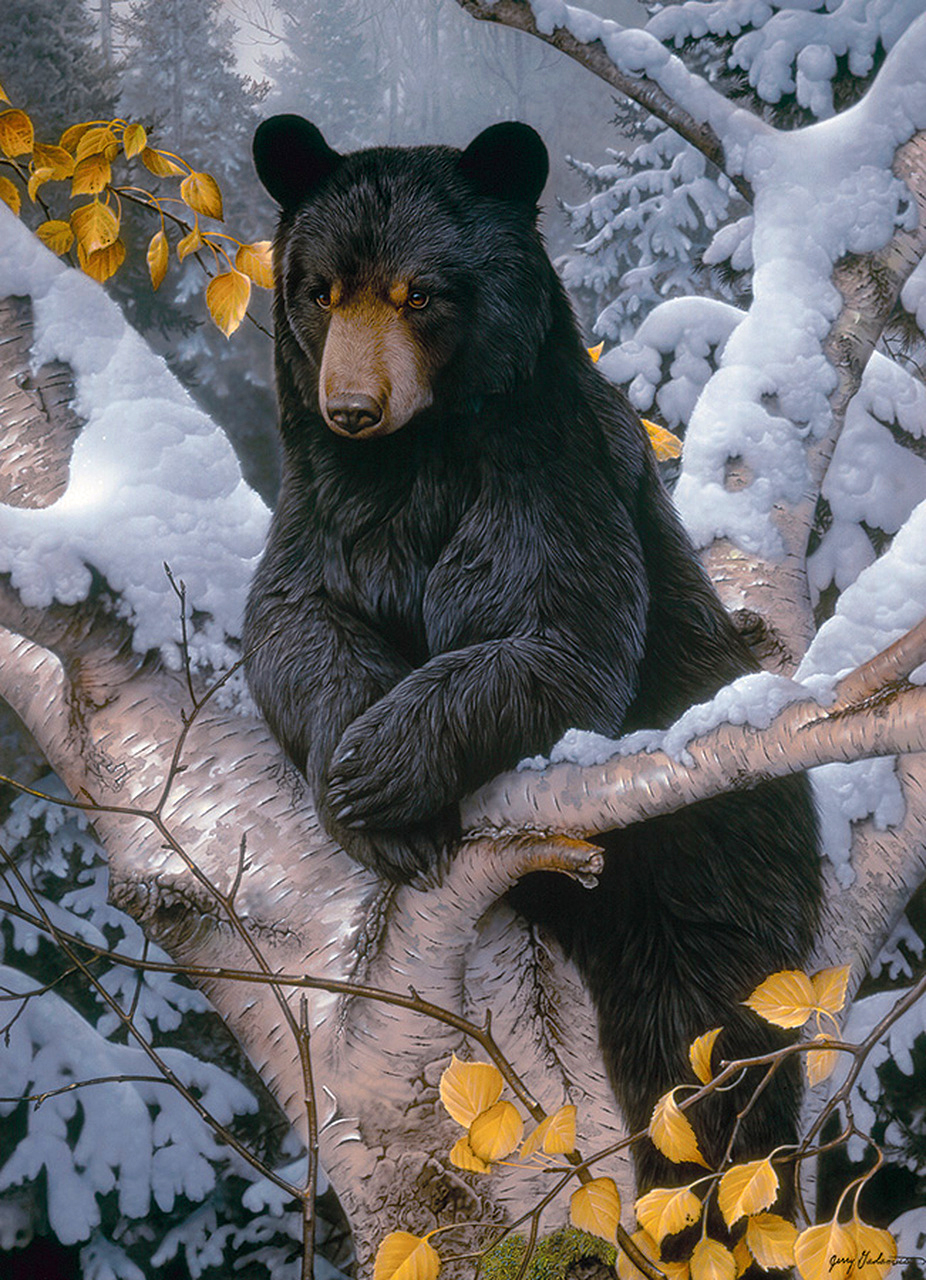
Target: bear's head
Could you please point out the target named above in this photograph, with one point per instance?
(406, 277)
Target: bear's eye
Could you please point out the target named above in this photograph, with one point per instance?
(322, 298)
(417, 298)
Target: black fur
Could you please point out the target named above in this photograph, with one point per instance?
(448, 599)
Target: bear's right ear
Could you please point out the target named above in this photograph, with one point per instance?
(292, 158)
(508, 161)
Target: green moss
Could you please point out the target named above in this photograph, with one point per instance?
(552, 1256)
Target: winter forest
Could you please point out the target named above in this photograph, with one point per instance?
(225, 1046)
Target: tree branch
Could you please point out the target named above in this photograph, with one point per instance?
(639, 85)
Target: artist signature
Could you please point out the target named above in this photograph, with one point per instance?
(867, 1259)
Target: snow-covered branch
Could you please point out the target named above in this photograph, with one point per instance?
(640, 67)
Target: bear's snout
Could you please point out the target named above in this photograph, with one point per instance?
(353, 413)
(373, 377)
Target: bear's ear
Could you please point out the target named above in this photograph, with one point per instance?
(508, 161)
(292, 158)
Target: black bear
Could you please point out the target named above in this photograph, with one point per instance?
(472, 553)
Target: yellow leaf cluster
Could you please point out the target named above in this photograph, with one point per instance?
(402, 1256)
(596, 1208)
(85, 154)
(672, 1134)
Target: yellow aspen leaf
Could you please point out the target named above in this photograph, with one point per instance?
(3, 97)
(627, 1270)
(874, 1246)
(256, 261)
(830, 986)
(102, 263)
(463, 1157)
(91, 175)
(596, 1208)
(747, 1188)
(57, 235)
(9, 194)
(665, 444)
(61, 162)
(201, 192)
(70, 138)
(496, 1132)
(826, 1252)
(595, 352)
(699, 1054)
(16, 133)
(95, 226)
(771, 1240)
(469, 1088)
(158, 163)
(712, 1261)
(786, 999)
(190, 243)
(402, 1256)
(157, 258)
(227, 299)
(556, 1135)
(820, 1063)
(37, 179)
(742, 1257)
(665, 1210)
(98, 140)
(672, 1134)
(134, 140)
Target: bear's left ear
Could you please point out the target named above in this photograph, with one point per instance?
(292, 158)
(508, 161)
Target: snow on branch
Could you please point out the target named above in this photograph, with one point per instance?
(875, 712)
(639, 66)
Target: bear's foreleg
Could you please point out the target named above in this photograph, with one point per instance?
(313, 668)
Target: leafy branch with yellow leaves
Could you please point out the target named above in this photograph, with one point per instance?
(85, 156)
(744, 1192)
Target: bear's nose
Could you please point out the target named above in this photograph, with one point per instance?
(353, 412)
